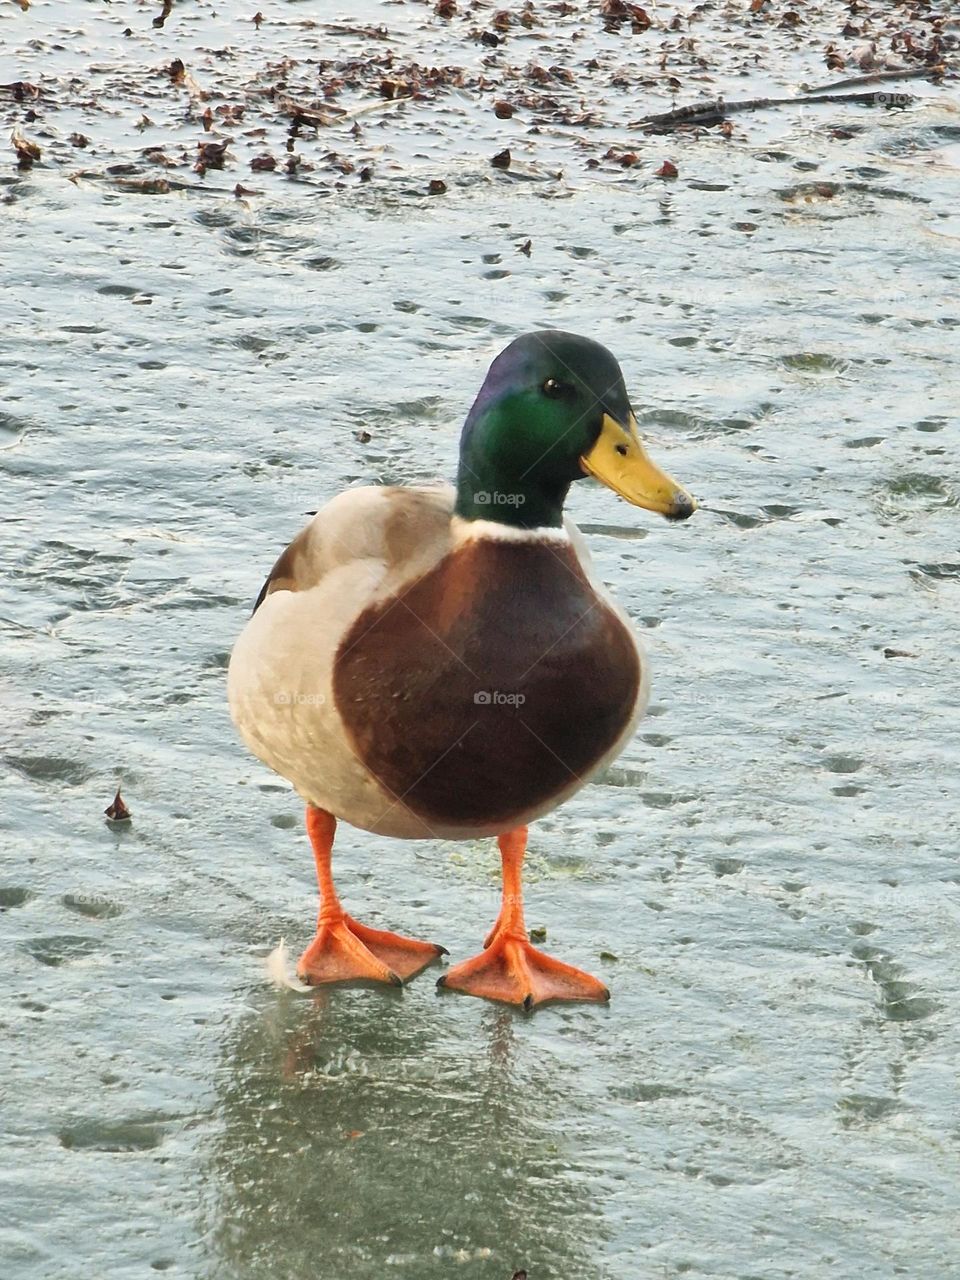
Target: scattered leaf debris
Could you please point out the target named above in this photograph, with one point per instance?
(538, 58)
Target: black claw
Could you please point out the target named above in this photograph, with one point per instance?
(442, 981)
(528, 1002)
(441, 951)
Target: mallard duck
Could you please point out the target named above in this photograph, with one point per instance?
(442, 663)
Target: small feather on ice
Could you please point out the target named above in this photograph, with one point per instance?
(280, 970)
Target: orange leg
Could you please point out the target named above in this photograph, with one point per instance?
(509, 968)
(344, 950)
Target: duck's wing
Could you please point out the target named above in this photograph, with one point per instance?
(404, 530)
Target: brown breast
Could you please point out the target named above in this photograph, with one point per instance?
(489, 685)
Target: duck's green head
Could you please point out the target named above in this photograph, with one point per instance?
(553, 409)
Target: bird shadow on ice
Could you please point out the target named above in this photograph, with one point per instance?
(359, 1135)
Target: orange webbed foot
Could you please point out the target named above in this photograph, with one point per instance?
(405, 956)
(509, 968)
(345, 951)
(512, 970)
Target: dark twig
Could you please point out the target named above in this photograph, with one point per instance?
(716, 111)
(876, 77)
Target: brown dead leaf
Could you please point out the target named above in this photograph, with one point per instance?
(263, 164)
(79, 140)
(502, 110)
(525, 248)
(27, 151)
(502, 159)
(117, 811)
(210, 156)
(437, 187)
(616, 12)
(304, 113)
(145, 186)
(22, 89)
(667, 170)
(180, 76)
(257, 19)
(240, 191)
(445, 8)
(156, 155)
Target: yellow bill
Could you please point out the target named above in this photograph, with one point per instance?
(619, 460)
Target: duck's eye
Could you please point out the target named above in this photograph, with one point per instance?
(621, 449)
(556, 390)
